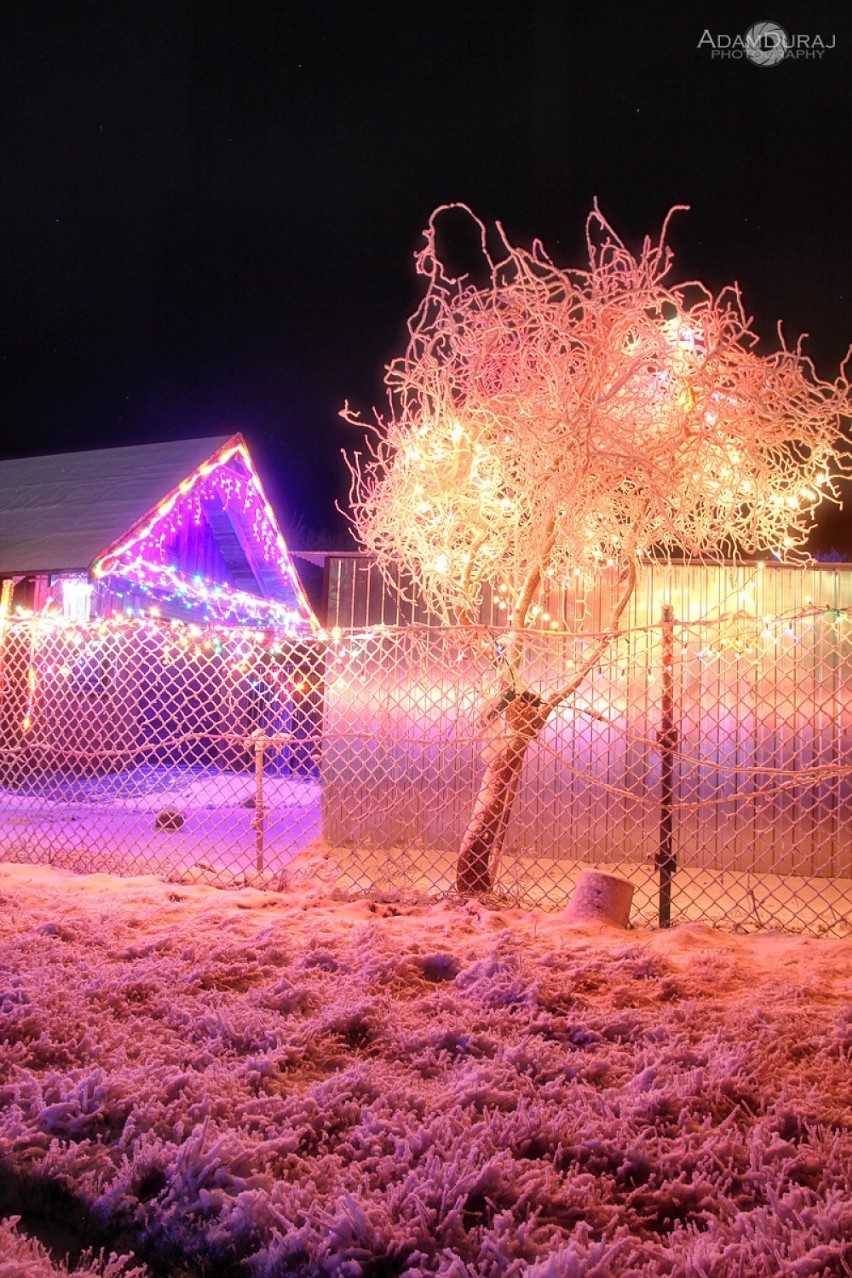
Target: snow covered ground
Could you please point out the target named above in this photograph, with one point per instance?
(109, 824)
(243, 1083)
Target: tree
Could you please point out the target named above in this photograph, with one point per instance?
(551, 421)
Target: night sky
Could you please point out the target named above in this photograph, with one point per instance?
(209, 210)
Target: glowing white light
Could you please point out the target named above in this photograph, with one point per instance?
(77, 598)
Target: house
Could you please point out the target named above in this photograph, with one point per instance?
(180, 529)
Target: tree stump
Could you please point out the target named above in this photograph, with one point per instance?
(600, 898)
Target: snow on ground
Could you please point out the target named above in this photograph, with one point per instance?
(245, 1083)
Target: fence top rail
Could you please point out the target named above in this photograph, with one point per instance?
(786, 618)
(44, 623)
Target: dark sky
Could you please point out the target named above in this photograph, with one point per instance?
(209, 210)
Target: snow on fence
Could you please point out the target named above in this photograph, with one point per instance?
(138, 746)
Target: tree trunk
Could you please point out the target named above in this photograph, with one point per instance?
(511, 726)
(512, 722)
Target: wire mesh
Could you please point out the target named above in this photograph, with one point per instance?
(715, 757)
(761, 784)
(150, 747)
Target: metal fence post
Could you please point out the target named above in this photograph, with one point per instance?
(667, 738)
(258, 820)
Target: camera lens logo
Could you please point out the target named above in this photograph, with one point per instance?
(766, 44)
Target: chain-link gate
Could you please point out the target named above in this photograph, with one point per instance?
(709, 763)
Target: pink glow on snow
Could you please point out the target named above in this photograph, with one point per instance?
(320, 1087)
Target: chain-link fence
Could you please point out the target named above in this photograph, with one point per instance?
(709, 763)
(139, 746)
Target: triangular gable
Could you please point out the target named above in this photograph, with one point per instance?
(213, 546)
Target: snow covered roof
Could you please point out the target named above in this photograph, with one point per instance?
(59, 512)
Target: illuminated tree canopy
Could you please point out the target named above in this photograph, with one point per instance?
(552, 421)
(566, 419)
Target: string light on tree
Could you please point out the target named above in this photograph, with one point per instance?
(549, 421)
